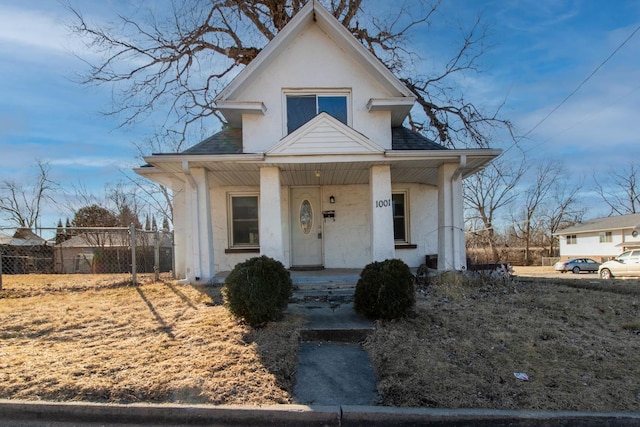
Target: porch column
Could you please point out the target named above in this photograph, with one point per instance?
(271, 233)
(382, 241)
(179, 229)
(199, 231)
(451, 247)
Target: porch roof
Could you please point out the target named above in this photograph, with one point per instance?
(407, 166)
(413, 159)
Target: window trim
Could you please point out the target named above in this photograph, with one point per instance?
(572, 239)
(317, 92)
(605, 236)
(230, 243)
(407, 219)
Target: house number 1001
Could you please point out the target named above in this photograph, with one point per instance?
(383, 203)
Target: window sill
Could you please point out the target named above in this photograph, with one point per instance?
(242, 251)
(406, 246)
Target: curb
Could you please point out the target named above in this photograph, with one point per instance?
(27, 413)
(38, 413)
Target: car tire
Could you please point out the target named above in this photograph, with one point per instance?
(605, 274)
(576, 270)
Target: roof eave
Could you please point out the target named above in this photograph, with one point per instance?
(398, 106)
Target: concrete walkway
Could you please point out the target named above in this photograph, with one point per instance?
(333, 368)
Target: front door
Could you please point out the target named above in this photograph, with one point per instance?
(306, 227)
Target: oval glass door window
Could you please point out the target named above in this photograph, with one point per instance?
(306, 217)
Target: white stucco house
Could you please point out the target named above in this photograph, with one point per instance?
(600, 238)
(315, 168)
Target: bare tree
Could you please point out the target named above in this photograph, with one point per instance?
(489, 191)
(180, 62)
(23, 203)
(528, 222)
(563, 211)
(622, 191)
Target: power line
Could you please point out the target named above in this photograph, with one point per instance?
(633, 33)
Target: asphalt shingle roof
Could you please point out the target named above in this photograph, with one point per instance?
(229, 141)
(406, 139)
(604, 224)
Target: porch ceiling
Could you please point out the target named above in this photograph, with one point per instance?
(317, 171)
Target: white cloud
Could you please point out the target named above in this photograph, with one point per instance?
(31, 28)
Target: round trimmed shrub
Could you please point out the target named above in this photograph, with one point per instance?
(258, 290)
(385, 290)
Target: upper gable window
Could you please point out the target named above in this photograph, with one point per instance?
(303, 107)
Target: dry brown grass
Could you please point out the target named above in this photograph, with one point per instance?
(577, 341)
(96, 338)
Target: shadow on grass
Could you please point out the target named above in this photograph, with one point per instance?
(214, 292)
(277, 346)
(276, 343)
(163, 325)
(181, 295)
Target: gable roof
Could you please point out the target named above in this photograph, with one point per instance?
(620, 222)
(22, 237)
(325, 134)
(314, 13)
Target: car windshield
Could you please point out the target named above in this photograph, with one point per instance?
(623, 256)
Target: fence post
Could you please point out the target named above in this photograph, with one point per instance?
(134, 265)
(156, 255)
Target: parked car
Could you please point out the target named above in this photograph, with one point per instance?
(577, 265)
(626, 264)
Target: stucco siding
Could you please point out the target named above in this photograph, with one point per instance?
(302, 68)
(347, 240)
(423, 223)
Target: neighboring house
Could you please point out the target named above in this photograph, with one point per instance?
(315, 168)
(601, 239)
(110, 252)
(25, 252)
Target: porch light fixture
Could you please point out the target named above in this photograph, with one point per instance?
(332, 199)
(317, 174)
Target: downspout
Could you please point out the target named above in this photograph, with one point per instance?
(195, 216)
(455, 176)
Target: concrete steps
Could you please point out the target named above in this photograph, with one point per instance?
(333, 368)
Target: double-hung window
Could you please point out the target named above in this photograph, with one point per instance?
(400, 219)
(243, 221)
(605, 237)
(572, 239)
(303, 107)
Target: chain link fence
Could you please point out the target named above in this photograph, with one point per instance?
(100, 250)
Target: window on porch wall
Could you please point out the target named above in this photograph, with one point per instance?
(244, 223)
(400, 220)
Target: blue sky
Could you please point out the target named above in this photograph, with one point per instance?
(542, 50)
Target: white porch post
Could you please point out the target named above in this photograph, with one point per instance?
(199, 231)
(271, 233)
(382, 241)
(451, 246)
(179, 229)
